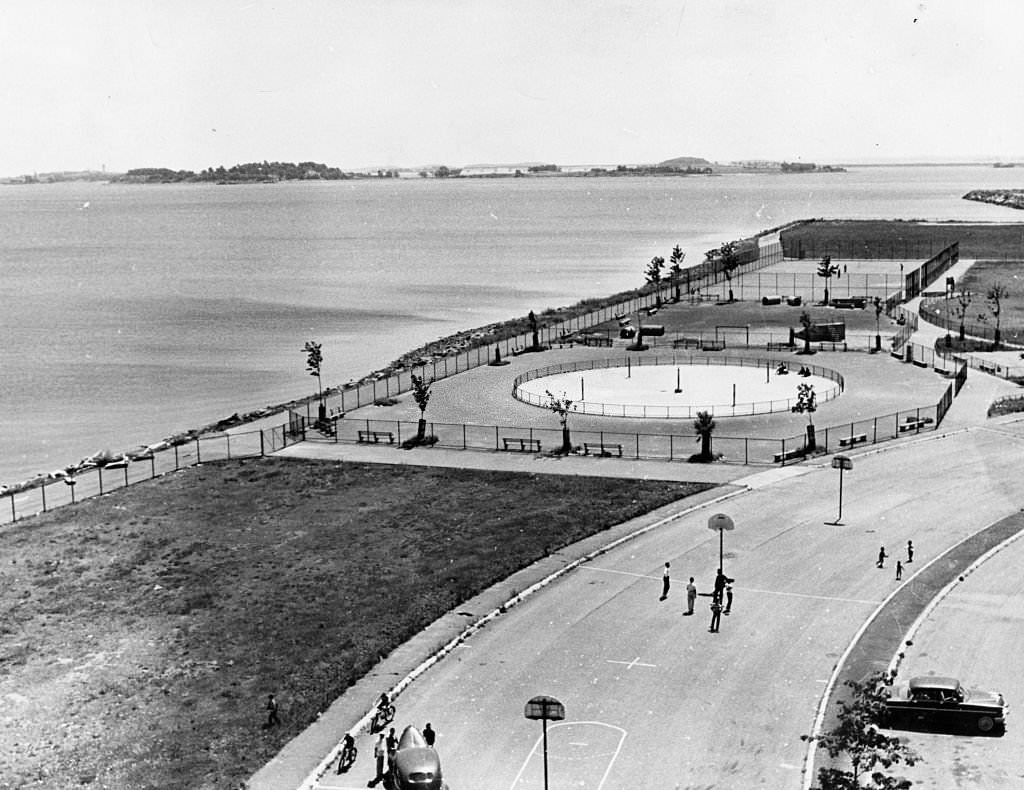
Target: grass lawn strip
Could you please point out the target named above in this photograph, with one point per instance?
(143, 630)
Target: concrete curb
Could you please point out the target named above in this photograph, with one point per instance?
(929, 607)
(313, 778)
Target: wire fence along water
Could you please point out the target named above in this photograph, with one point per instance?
(95, 481)
(648, 411)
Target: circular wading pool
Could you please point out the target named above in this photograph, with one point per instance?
(676, 388)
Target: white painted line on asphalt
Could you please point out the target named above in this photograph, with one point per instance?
(806, 595)
(630, 664)
(621, 573)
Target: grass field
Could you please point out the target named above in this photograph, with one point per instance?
(902, 239)
(143, 630)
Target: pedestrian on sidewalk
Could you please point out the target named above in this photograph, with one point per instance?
(716, 615)
(881, 558)
(910, 551)
(429, 735)
(899, 570)
(728, 598)
(691, 596)
(665, 583)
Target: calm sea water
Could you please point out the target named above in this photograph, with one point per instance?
(133, 312)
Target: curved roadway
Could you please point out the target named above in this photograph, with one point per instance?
(653, 699)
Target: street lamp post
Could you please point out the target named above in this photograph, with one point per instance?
(842, 463)
(721, 522)
(545, 708)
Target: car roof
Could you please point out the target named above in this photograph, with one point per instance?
(930, 682)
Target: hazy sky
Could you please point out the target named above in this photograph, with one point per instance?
(197, 83)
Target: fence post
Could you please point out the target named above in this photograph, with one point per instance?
(14, 513)
(227, 440)
(175, 458)
(126, 475)
(99, 474)
(199, 459)
(262, 451)
(44, 497)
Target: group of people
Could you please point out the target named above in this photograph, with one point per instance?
(783, 369)
(721, 596)
(899, 565)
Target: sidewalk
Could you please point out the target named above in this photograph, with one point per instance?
(302, 760)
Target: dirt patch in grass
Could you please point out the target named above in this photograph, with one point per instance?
(143, 630)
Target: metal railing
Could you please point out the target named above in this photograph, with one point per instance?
(649, 411)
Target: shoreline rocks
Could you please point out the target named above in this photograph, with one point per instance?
(1011, 198)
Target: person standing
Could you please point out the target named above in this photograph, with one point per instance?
(881, 558)
(720, 581)
(716, 615)
(899, 570)
(728, 598)
(665, 582)
(392, 747)
(691, 596)
(429, 735)
(910, 551)
(272, 719)
(380, 751)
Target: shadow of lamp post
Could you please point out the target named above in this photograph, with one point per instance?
(545, 708)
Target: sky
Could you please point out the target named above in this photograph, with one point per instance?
(190, 84)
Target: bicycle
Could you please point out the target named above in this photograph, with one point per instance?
(384, 716)
(348, 754)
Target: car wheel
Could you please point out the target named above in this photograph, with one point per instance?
(986, 724)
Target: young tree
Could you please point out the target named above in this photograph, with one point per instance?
(653, 275)
(726, 260)
(856, 736)
(314, 360)
(562, 406)
(826, 269)
(533, 329)
(963, 302)
(995, 296)
(676, 269)
(807, 403)
(421, 394)
(704, 425)
(805, 322)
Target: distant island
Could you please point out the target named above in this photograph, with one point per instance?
(1011, 198)
(275, 172)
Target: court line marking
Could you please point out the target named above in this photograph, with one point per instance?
(744, 589)
(540, 741)
(636, 662)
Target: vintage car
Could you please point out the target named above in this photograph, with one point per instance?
(941, 702)
(415, 765)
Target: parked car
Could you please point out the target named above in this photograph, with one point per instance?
(943, 702)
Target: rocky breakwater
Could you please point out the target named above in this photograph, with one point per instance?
(1011, 198)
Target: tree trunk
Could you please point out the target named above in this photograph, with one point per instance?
(812, 445)
(705, 446)
(421, 429)
(566, 440)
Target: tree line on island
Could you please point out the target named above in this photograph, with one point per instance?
(249, 173)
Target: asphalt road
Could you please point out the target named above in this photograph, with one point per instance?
(655, 700)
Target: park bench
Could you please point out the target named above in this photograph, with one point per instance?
(601, 449)
(686, 342)
(850, 302)
(712, 345)
(780, 346)
(524, 445)
(789, 455)
(920, 363)
(942, 371)
(794, 301)
(597, 340)
(850, 441)
(770, 300)
(986, 368)
(376, 436)
(915, 423)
